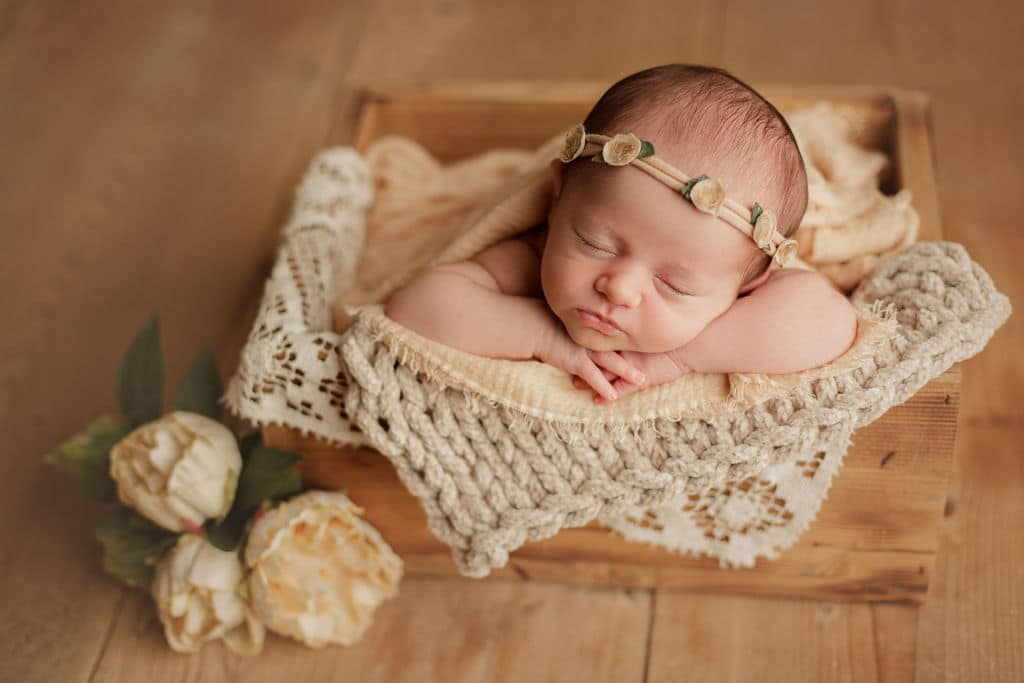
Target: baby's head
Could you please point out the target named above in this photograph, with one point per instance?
(630, 248)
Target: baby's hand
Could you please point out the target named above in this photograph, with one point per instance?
(657, 368)
(591, 368)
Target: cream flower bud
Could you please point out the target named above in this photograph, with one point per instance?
(621, 149)
(200, 596)
(708, 195)
(787, 250)
(177, 471)
(318, 571)
(764, 230)
(575, 141)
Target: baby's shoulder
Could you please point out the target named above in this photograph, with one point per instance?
(774, 275)
(514, 263)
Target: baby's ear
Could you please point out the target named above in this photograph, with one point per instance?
(557, 169)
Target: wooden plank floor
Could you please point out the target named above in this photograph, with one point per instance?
(149, 155)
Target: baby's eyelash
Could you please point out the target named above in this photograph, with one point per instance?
(674, 289)
(591, 246)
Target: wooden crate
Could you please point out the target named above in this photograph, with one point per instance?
(877, 533)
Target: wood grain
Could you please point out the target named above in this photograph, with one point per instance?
(697, 637)
(972, 626)
(149, 154)
(456, 631)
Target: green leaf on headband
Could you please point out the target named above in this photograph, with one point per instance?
(757, 211)
(646, 149)
(597, 157)
(685, 189)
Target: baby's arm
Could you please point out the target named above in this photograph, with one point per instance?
(466, 306)
(793, 322)
(492, 306)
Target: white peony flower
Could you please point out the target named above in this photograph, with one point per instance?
(200, 596)
(622, 149)
(318, 571)
(177, 471)
(575, 141)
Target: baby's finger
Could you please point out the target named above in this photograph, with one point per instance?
(580, 383)
(596, 379)
(618, 365)
(623, 388)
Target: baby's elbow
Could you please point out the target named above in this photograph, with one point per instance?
(839, 330)
(397, 304)
(409, 306)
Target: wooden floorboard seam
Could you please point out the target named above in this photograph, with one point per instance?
(109, 634)
(873, 611)
(650, 634)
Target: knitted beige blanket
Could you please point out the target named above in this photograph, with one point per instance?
(500, 453)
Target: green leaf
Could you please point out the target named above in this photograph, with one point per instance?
(597, 157)
(229, 532)
(201, 387)
(140, 376)
(646, 149)
(247, 442)
(85, 458)
(755, 212)
(685, 189)
(265, 476)
(132, 546)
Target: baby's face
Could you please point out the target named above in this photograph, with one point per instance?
(632, 250)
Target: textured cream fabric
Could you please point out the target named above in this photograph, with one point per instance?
(542, 391)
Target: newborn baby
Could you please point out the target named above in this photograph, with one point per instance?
(637, 277)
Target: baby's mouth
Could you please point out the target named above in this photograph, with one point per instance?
(597, 322)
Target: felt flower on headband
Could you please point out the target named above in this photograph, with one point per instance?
(706, 194)
(764, 228)
(785, 251)
(623, 149)
(575, 141)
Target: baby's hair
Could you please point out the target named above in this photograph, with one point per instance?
(701, 104)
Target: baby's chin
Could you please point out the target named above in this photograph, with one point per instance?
(596, 341)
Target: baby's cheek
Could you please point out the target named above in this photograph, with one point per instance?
(673, 329)
(556, 281)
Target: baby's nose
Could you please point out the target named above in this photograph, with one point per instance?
(621, 289)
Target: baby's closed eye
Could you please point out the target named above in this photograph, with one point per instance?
(667, 283)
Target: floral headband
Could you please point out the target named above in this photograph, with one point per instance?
(705, 193)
